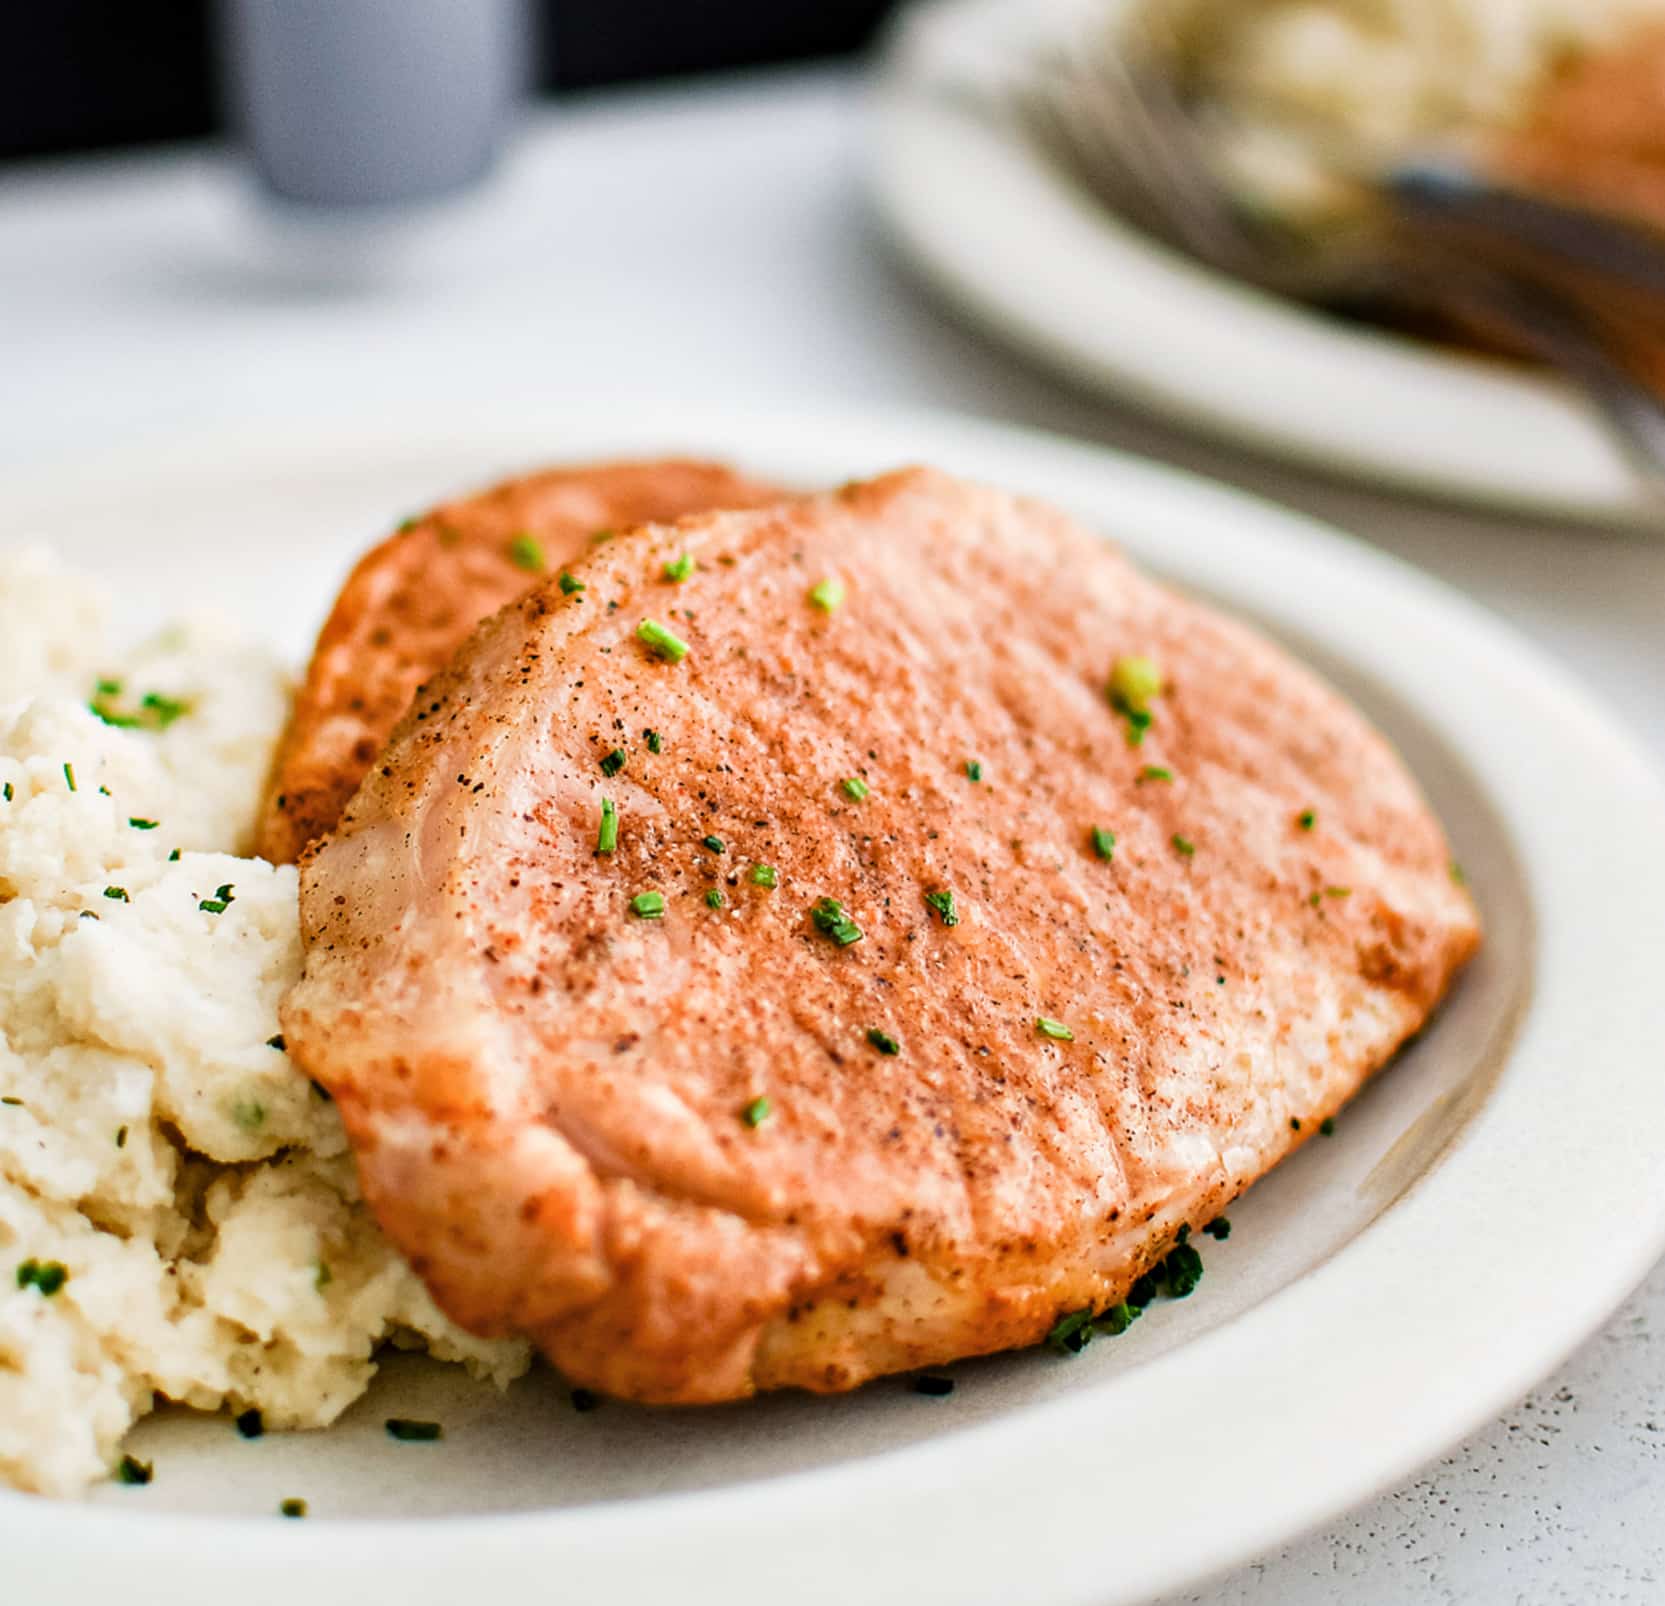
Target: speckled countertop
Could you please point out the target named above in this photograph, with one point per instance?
(119, 322)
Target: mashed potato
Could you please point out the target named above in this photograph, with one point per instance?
(1313, 83)
(178, 1210)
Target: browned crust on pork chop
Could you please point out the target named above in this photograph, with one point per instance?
(411, 601)
(548, 1094)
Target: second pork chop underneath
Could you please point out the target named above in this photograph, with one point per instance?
(698, 1132)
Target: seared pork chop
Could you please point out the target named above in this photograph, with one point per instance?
(411, 601)
(864, 1047)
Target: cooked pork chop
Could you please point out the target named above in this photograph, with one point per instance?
(412, 600)
(749, 1138)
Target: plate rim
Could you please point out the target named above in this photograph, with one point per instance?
(924, 1509)
(1574, 470)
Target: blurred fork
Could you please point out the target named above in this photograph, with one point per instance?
(1565, 285)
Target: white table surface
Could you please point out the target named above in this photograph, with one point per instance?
(716, 241)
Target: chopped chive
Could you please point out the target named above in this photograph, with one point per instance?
(277, 1042)
(69, 775)
(1104, 842)
(883, 1041)
(214, 906)
(1326, 1127)
(607, 837)
(1458, 874)
(613, 762)
(570, 584)
(408, 1431)
(1055, 1029)
(164, 709)
(855, 788)
(46, 1276)
(655, 742)
(757, 1112)
(249, 1114)
(648, 905)
(831, 921)
(1181, 1271)
(668, 646)
(714, 843)
(1138, 722)
(1072, 1332)
(9, 1099)
(678, 569)
(933, 1387)
(292, 1508)
(323, 1276)
(827, 594)
(1183, 845)
(1155, 772)
(765, 875)
(714, 898)
(117, 894)
(943, 902)
(1306, 819)
(9, 793)
(526, 552)
(105, 791)
(140, 824)
(173, 857)
(1135, 683)
(1218, 1229)
(251, 1424)
(407, 525)
(601, 538)
(1294, 1123)
(322, 1091)
(974, 769)
(1338, 892)
(121, 1137)
(108, 688)
(129, 1470)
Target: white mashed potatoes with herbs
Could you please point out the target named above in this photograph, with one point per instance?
(178, 1210)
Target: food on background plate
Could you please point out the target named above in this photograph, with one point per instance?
(877, 935)
(178, 1208)
(1313, 90)
(411, 601)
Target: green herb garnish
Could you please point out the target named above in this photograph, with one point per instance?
(1104, 842)
(648, 905)
(1307, 819)
(655, 742)
(765, 875)
(757, 1112)
(943, 902)
(8, 791)
(1135, 683)
(1183, 845)
(831, 921)
(140, 824)
(607, 836)
(1155, 772)
(613, 762)
(668, 646)
(292, 1508)
(277, 1042)
(526, 552)
(69, 776)
(117, 894)
(251, 1424)
(933, 1387)
(883, 1041)
(408, 1431)
(129, 1470)
(1055, 1029)
(827, 594)
(249, 1114)
(1181, 1271)
(714, 898)
(678, 569)
(974, 769)
(1072, 1332)
(48, 1276)
(855, 788)
(1218, 1229)
(713, 843)
(1326, 1127)
(570, 584)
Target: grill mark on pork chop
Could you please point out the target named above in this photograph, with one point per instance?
(470, 989)
(412, 600)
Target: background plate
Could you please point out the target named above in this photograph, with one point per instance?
(1481, 1207)
(1036, 261)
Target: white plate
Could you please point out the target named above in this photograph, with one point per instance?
(1480, 1209)
(1035, 260)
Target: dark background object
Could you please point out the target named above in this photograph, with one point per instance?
(89, 74)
